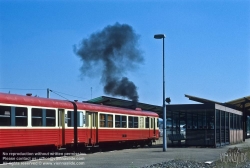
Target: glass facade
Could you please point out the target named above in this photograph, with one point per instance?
(204, 125)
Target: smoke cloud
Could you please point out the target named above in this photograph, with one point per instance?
(112, 52)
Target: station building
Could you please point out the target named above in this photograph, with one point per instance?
(206, 123)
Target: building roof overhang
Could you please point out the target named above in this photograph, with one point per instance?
(201, 100)
(110, 101)
(242, 104)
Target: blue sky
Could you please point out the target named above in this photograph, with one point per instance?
(207, 47)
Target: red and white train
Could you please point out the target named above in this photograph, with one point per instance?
(28, 122)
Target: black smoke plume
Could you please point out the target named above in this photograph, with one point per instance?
(112, 52)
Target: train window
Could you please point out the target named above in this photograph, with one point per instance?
(21, 116)
(60, 117)
(50, 118)
(83, 119)
(120, 121)
(37, 115)
(110, 121)
(102, 120)
(117, 121)
(131, 122)
(147, 122)
(13, 116)
(87, 119)
(136, 122)
(70, 118)
(124, 121)
(80, 119)
(152, 123)
(106, 120)
(141, 122)
(5, 114)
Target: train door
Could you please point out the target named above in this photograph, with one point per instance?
(147, 120)
(91, 127)
(141, 126)
(154, 127)
(61, 125)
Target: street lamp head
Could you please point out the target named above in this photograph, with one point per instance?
(159, 36)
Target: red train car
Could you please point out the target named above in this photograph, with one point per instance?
(27, 121)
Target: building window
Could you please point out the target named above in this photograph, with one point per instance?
(210, 119)
(189, 121)
(195, 124)
(235, 121)
(240, 122)
(231, 121)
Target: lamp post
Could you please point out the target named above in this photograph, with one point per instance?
(162, 36)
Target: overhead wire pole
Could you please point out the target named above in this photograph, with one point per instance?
(162, 36)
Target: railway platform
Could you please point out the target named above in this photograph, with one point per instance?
(131, 158)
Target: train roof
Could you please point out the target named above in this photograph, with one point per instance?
(6, 98)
